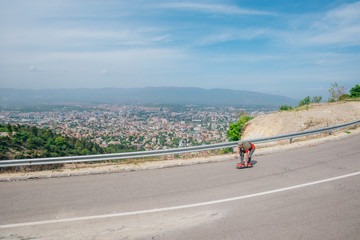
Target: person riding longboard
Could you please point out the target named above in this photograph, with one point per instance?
(247, 149)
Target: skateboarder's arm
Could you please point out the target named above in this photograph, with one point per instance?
(237, 151)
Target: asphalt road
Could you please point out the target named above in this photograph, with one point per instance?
(307, 193)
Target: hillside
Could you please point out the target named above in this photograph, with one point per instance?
(301, 119)
(150, 95)
(20, 141)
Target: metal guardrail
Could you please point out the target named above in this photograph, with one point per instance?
(141, 154)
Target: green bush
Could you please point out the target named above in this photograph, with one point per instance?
(355, 91)
(285, 108)
(305, 101)
(235, 129)
(343, 97)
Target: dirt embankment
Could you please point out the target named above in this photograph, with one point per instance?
(309, 117)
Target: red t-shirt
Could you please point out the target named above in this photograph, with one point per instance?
(252, 146)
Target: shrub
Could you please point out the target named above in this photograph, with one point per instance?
(285, 108)
(343, 97)
(235, 129)
(305, 101)
(336, 91)
(355, 91)
(316, 99)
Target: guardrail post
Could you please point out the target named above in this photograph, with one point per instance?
(330, 132)
(291, 140)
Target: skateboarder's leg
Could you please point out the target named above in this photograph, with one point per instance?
(250, 154)
(241, 157)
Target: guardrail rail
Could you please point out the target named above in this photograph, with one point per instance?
(141, 154)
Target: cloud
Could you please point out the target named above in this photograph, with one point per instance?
(339, 26)
(128, 55)
(33, 69)
(40, 38)
(105, 72)
(214, 8)
(234, 34)
(247, 58)
(344, 14)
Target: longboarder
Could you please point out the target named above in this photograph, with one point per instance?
(247, 149)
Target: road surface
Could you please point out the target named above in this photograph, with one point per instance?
(307, 193)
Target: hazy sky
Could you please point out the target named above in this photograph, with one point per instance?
(286, 47)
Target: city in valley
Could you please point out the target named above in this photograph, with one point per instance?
(142, 127)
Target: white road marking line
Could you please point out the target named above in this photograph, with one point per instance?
(176, 207)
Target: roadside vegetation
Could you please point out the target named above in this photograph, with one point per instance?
(236, 129)
(21, 141)
(336, 92)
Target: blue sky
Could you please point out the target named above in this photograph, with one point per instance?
(285, 47)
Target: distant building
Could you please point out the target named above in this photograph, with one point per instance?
(182, 143)
(5, 134)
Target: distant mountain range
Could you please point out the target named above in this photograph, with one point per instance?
(149, 95)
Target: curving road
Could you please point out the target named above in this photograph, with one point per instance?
(307, 193)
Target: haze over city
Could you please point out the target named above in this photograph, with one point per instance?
(289, 48)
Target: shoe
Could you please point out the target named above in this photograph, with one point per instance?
(240, 165)
(249, 164)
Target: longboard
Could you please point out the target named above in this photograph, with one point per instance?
(244, 167)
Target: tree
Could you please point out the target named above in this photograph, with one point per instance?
(4, 141)
(28, 142)
(355, 91)
(9, 128)
(336, 91)
(235, 129)
(34, 143)
(34, 131)
(61, 142)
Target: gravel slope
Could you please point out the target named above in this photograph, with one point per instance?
(309, 117)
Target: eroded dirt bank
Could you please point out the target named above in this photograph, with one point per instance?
(309, 117)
